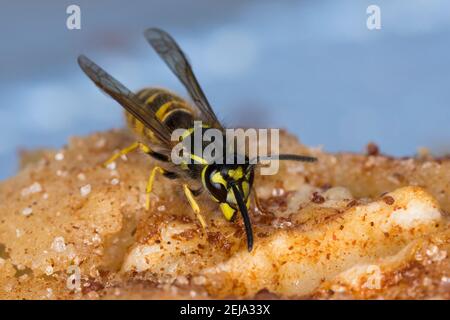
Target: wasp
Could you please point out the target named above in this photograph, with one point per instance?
(153, 114)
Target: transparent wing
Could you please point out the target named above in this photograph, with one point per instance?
(170, 52)
(125, 98)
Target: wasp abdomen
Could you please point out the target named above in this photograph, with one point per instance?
(169, 108)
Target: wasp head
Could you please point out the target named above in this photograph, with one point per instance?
(230, 185)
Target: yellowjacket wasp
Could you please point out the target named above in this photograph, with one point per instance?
(153, 114)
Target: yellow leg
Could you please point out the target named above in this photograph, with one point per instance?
(124, 151)
(133, 147)
(194, 205)
(149, 187)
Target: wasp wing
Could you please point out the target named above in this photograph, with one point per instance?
(125, 98)
(176, 60)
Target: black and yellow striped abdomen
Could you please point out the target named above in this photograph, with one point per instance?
(174, 113)
(169, 108)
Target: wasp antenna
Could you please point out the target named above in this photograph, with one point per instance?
(293, 157)
(245, 216)
(296, 157)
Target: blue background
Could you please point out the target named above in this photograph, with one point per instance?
(311, 67)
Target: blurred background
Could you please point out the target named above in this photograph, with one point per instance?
(311, 67)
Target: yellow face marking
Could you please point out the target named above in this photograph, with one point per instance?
(230, 197)
(236, 174)
(227, 211)
(217, 178)
(245, 188)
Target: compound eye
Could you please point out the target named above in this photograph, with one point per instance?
(217, 186)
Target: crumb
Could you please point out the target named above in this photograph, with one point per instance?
(34, 188)
(100, 143)
(27, 211)
(49, 293)
(423, 153)
(49, 270)
(372, 149)
(61, 173)
(59, 244)
(111, 166)
(59, 156)
(85, 190)
(277, 192)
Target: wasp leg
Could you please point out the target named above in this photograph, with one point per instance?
(258, 204)
(134, 146)
(153, 154)
(122, 152)
(151, 179)
(190, 196)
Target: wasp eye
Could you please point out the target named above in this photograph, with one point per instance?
(216, 184)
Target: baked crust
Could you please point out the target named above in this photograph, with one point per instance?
(350, 226)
